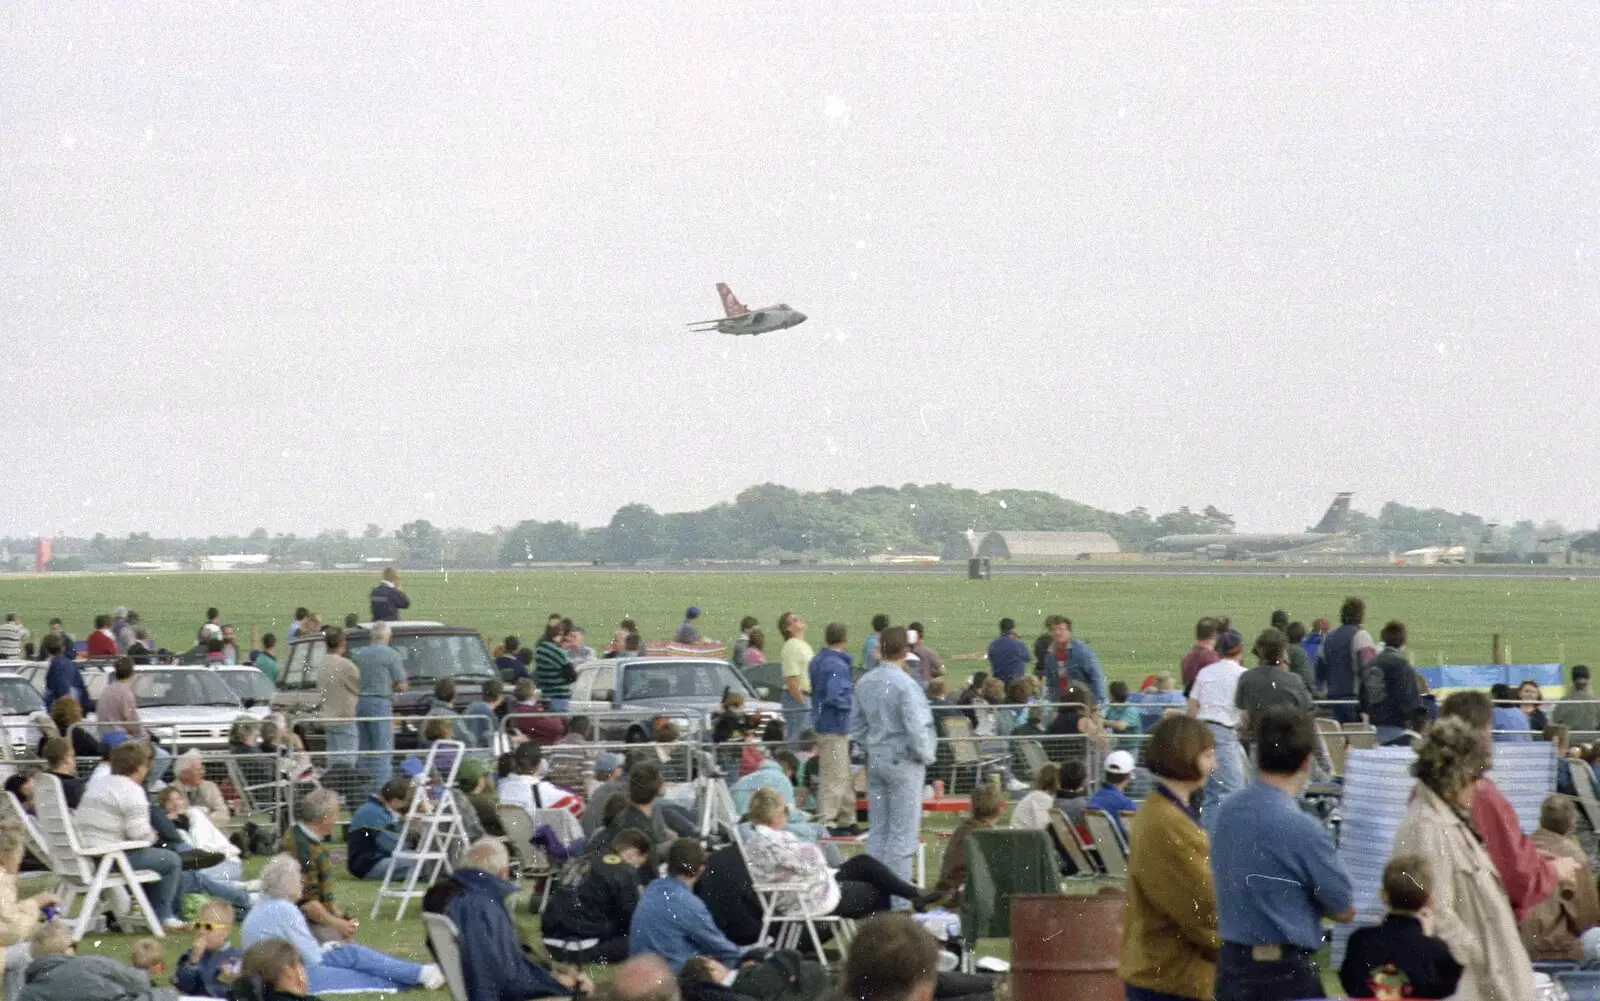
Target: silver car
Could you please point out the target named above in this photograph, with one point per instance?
(182, 707)
(683, 690)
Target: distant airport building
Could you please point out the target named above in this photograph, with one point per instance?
(236, 561)
(1044, 547)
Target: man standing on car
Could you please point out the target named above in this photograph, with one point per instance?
(387, 598)
(553, 669)
(339, 685)
(831, 698)
(382, 674)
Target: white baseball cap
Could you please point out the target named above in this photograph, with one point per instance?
(1119, 763)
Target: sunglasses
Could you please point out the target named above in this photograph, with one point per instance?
(208, 926)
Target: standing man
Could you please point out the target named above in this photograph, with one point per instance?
(101, 642)
(796, 660)
(1342, 658)
(1275, 872)
(387, 598)
(741, 646)
(553, 669)
(1203, 654)
(126, 630)
(1214, 701)
(339, 685)
(1578, 711)
(12, 635)
(689, 629)
(1270, 683)
(67, 644)
(62, 677)
(1008, 655)
(382, 673)
(831, 699)
(1068, 660)
(869, 649)
(927, 656)
(230, 645)
(117, 708)
(266, 658)
(1392, 691)
(894, 727)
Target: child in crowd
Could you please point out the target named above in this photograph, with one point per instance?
(987, 804)
(211, 964)
(730, 723)
(1112, 796)
(1032, 812)
(1071, 800)
(1401, 958)
(1122, 719)
(145, 954)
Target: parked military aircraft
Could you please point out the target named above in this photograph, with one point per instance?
(741, 320)
(1230, 545)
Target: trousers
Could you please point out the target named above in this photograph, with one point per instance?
(163, 894)
(894, 809)
(796, 717)
(342, 744)
(356, 967)
(866, 886)
(1242, 978)
(399, 867)
(376, 736)
(1227, 779)
(838, 795)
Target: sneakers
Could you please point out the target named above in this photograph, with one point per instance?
(174, 924)
(251, 885)
(851, 831)
(432, 977)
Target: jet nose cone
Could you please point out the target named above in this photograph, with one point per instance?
(799, 317)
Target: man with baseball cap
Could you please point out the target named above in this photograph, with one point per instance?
(1112, 796)
(688, 629)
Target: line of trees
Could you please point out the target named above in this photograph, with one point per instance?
(762, 522)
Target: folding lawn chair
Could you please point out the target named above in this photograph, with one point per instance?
(445, 938)
(964, 751)
(999, 864)
(1108, 842)
(77, 871)
(797, 919)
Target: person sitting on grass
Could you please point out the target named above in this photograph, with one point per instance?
(334, 966)
(374, 833)
(307, 842)
(494, 960)
(704, 979)
(1032, 812)
(987, 805)
(671, 921)
(211, 964)
(863, 885)
(586, 918)
(58, 973)
(146, 954)
(1400, 957)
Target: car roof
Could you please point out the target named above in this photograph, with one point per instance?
(654, 662)
(408, 627)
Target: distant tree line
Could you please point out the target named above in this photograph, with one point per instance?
(763, 522)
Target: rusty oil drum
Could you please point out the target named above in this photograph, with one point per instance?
(1067, 946)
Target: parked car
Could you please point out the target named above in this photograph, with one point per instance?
(253, 688)
(31, 671)
(182, 707)
(21, 710)
(683, 690)
(428, 650)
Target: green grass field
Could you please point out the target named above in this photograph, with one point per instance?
(1136, 624)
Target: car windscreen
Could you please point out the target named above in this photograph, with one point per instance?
(644, 682)
(182, 688)
(248, 684)
(18, 698)
(429, 658)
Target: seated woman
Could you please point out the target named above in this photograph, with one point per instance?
(344, 966)
(861, 886)
(271, 970)
(1033, 810)
(987, 804)
(65, 713)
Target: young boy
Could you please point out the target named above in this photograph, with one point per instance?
(1112, 796)
(1400, 958)
(1122, 719)
(208, 968)
(145, 954)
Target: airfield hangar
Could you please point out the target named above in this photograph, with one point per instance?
(1043, 547)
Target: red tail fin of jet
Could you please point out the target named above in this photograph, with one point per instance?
(730, 302)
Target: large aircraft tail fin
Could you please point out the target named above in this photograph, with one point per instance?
(730, 302)
(1337, 516)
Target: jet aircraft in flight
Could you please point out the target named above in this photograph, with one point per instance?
(740, 319)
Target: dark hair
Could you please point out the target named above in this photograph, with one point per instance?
(613, 809)
(101, 621)
(880, 622)
(269, 959)
(301, 612)
(52, 644)
(554, 630)
(1118, 690)
(774, 732)
(580, 725)
(685, 858)
(1058, 620)
(697, 970)
(644, 783)
(1417, 718)
(1580, 671)
(493, 689)
(525, 656)
(212, 613)
(444, 690)
(890, 958)
(124, 668)
(333, 636)
(748, 623)
(786, 759)
(56, 750)
(1006, 625)
(1073, 776)
(1393, 634)
(630, 837)
(987, 801)
(835, 633)
(1352, 612)
(1048, 779)
(526, 757)
(1271, 646)
(15, 783)
(512, 644)
(1174, 748)
(1471, 707)
(1285, 737)
(269, 640)
(1405, 883)
(633, 641)
(921, 632)
(893, 645)
(214, 645)
(398, 787)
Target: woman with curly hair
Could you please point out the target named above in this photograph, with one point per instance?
(1470, 910)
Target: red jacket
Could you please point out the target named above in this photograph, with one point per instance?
(100, 644)
(1528, 877)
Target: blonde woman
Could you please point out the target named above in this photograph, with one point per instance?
(1470, 910)
(860, 887)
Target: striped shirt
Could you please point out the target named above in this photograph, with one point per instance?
(12, 636)
(552, 670)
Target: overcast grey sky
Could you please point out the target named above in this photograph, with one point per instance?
(306, 266)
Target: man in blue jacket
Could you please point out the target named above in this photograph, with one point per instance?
(387, 598)
(62, 677)
(375, 833)
(1067, 660)
(832, 694)
(671, 921)
(494, 961)
(1008, 655)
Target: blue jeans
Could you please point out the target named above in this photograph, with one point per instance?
(376, 735)
(894, 809)
(164, 894)
(400, 866)
(1242, 978)
(354, 967)
(204, 881)
(342, 744)
(796, 716)
(1227, 779)
(559, 705)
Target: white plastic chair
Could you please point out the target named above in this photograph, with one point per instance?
(11, 812)
(531, 863)
(76, 869)
(445, 938)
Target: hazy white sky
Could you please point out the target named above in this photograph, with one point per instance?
(311, 266)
